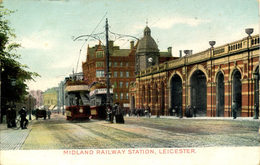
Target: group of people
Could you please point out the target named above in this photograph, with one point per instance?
(141, 111)
(11, 118)
(116, 112)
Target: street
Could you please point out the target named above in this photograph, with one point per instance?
(140, 132)
(140, 140)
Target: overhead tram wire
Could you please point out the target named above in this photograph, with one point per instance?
(87, 40)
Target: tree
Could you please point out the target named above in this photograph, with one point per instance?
(10, 68)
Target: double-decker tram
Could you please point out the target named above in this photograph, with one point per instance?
(98, 98)
(77, 100)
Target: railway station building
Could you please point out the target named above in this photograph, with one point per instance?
(201, 84)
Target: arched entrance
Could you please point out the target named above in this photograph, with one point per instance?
(198, 93)
(162, 105)
(176, 93)
(220, 94)
(237, 91)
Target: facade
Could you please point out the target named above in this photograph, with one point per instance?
(38, 95)
(50, 98)
(122, 64)
(202, 84)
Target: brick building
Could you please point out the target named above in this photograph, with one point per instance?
(202, 84)
(122, 64)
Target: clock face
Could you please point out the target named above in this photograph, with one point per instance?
(150, 59)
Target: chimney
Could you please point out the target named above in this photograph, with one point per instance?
(131, 45)
(170, 50)
(110, 46)
(180, 53)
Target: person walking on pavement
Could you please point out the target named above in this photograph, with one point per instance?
(234, 109)
(24, 121)
(49, 113)
(9, 118)
(13, 117)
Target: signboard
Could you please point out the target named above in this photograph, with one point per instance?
(100, 91)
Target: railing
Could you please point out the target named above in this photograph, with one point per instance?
(219, 51)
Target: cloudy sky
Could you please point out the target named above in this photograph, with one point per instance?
(45, 28)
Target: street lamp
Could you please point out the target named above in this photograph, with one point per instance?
(211, 43)
(13, 83)
(248, 31)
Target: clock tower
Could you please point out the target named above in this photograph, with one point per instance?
(147, 52)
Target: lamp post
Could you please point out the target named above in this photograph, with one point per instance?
(248, 31)
(211, 43)
(13, 83)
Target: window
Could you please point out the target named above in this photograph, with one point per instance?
(115, 73)
(99, 64)
(115, 85)
(126, 64)
(115, 64)
(121, 74)
(126, 84)
(99, 54)
(126, 96)
(121, 96)
(121, 64)
(100, 73)
(126, 74)
(116, 96)
(110, 63)
(121, 84)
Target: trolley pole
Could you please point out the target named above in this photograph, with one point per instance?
(107, 69)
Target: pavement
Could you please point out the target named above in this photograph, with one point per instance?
(13, 139)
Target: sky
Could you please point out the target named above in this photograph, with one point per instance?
(45, 28)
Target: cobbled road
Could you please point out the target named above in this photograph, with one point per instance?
(141, 132)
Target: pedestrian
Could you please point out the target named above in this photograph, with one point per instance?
(24, 121)
(113, 114)
(119, 114)
(9, 118)
(234, 110)
(49, 113)
(13, 116)
(109, 112)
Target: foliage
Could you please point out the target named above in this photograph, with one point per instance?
(11, 69)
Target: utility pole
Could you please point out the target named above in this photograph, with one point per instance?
(107, 69)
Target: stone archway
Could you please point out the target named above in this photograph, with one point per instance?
(237, 90)
(220, 95)
(176, 93)
(198, 94)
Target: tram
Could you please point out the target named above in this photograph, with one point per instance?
(84, 102)
(98, 98)
(77, 100)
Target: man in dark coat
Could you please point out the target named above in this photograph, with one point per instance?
(9, 117)
(119, 114)
(234, 110)
(24, 121)
(13, 117)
